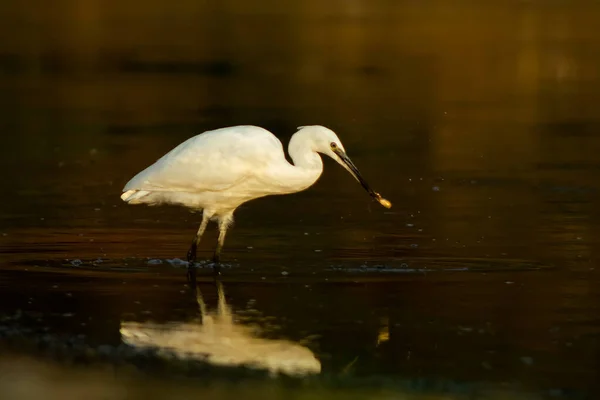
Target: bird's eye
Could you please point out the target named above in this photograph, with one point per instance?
(333, 145)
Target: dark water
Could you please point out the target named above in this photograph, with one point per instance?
(478, 121)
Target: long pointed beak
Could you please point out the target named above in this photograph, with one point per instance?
(349, 165)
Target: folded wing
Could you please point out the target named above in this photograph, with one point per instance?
(212, 161)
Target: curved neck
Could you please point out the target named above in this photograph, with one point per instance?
(307, 167)
(302, 153)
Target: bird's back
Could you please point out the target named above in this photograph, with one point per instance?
(213, 160)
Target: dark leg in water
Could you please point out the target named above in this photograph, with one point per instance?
(191, 254)
(223, 225)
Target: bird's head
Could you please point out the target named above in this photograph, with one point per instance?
(325, 141)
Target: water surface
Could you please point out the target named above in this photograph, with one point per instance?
(479, 123)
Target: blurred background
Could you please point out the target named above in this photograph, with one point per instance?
(478, 120)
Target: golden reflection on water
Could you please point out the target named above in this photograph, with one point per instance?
(219, 340)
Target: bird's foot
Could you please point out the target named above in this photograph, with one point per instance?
(191, 254)
(216, 264)
(191, 270)
(191, 258)
(191, 276)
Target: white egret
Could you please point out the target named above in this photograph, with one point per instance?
(216, 171)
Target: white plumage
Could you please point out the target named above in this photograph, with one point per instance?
(218, 170)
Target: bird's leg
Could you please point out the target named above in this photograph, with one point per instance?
(217, 255)
(191, 254)
(223, 225)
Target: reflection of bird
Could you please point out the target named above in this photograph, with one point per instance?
(384, 331)
(219, 170)
(220, 341)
